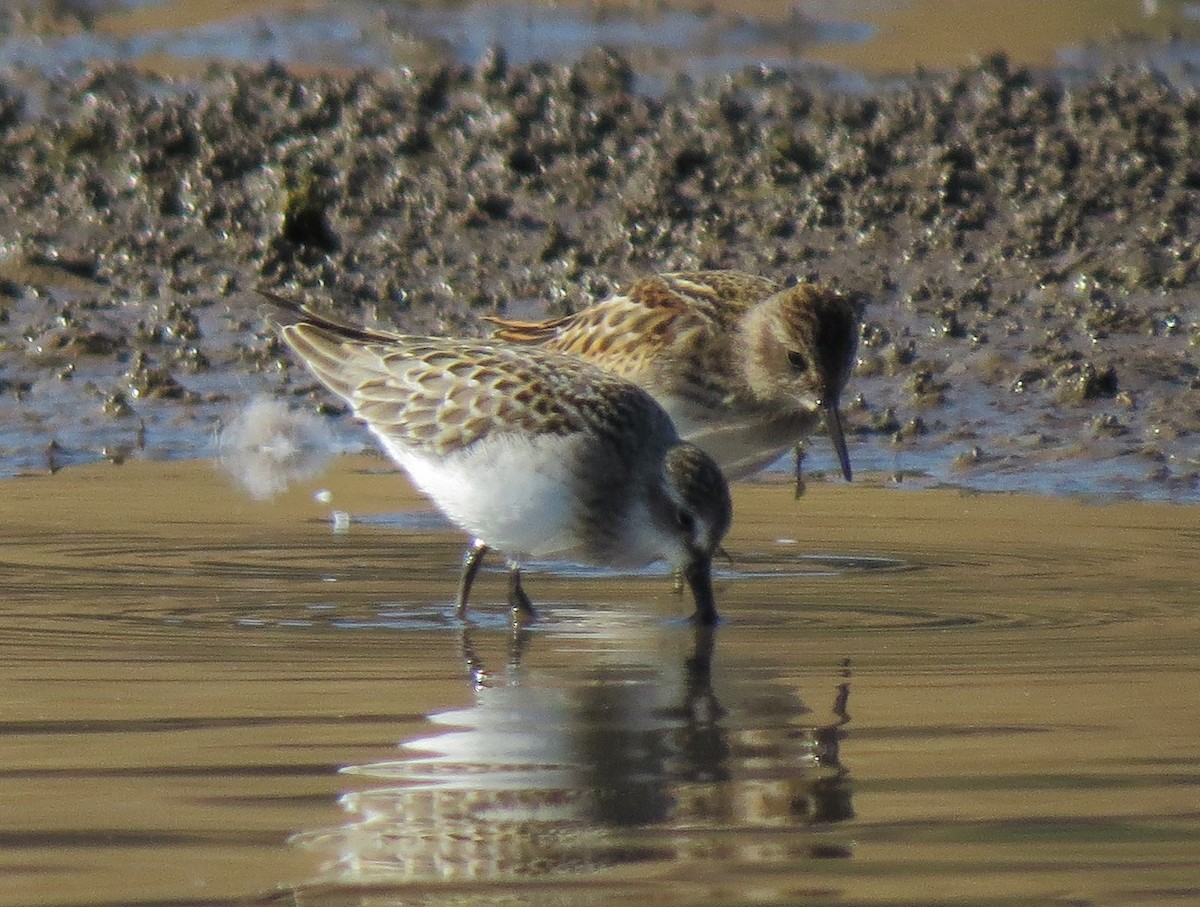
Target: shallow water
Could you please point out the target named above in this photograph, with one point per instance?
(849, 36)
(916, 696)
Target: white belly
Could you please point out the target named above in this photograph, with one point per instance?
(521, 497)
(509, 493)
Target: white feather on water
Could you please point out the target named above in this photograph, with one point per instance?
(267, 446)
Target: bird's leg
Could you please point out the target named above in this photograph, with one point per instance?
(472, 561)
(522, 607)
(800, 453)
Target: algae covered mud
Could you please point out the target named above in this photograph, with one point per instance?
(916, 697)
(1024, 240)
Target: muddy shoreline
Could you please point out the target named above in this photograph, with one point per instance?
(1025, 243)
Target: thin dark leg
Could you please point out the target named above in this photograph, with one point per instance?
(472, 561)
(522, 607)
(800, 454)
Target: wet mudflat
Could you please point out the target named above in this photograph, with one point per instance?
(1023, 240)
(915, 697)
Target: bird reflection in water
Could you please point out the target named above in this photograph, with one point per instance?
(627, 760)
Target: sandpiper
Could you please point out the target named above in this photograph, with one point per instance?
(532, 452)
(743, 365)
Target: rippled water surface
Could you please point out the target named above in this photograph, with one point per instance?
(915, 697)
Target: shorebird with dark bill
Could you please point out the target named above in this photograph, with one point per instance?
(532, 452)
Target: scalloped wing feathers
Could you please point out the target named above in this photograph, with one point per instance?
(437, 396)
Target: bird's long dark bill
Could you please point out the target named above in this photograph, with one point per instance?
(833, 422)
(699, 579)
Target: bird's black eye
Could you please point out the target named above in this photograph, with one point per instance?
(686, 521)
(797, 360)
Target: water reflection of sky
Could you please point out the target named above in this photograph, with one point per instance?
(537, 32)
(358, 37)
(879, 36)
(310, 39)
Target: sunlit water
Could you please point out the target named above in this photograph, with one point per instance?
(914, 697)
